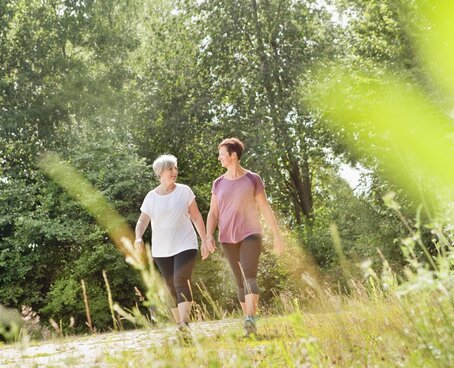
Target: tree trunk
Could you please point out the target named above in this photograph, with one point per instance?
(300, 179)
(303, 186)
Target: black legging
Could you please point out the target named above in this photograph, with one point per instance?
(247, 253)
(176, 271)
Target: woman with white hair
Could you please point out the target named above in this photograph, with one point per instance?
(171, 208)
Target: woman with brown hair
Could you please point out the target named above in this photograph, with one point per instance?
(236, 195)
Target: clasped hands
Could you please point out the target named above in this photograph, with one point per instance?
(209, 246)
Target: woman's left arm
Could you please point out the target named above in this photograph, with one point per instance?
(197, 220)
(271, 221)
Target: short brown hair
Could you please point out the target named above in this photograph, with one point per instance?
(233, 145)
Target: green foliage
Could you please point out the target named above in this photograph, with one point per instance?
(357, 217)
(65, 298)
(274, 280)
(252, 56)
(50, 243)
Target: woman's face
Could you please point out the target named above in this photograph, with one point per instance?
(224, 158)
(169, 175)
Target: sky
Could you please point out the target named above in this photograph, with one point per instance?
(354, 176)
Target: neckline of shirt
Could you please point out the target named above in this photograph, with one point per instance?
(240, 177)
(168, 194)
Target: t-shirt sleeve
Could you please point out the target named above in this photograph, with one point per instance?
(216, 185)
(258, 184)
(190, 195)
(146, 205)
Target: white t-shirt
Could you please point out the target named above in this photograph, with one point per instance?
(171, 226)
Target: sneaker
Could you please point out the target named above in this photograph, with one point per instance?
(184, 333)
(183, 326)
(249, 325)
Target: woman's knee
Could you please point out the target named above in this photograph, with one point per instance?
(183, 292)
(251, 286)
(240, 293)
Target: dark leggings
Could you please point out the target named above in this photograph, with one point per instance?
(245, 253)
(176, 271)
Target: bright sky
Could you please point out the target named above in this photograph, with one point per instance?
(353, 176)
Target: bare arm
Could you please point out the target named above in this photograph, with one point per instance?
(212, 221)
(197, 220)
(270, 219)
(141, 226)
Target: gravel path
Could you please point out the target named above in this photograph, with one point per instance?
(89, 351)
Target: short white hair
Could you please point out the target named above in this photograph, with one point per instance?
(164, 162)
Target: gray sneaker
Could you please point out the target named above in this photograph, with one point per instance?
(184, 333)
(249, 325)
(183, 326)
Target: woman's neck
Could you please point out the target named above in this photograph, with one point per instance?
(166, 187)
(235, 172)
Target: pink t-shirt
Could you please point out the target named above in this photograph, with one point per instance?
(238, 215)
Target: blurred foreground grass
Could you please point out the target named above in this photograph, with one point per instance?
(357, 332)
(385, 333)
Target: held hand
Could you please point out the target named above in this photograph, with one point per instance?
(208, 247)
(211, 244)
(278, 245)
(204, 251)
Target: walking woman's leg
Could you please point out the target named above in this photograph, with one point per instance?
(232, 253)
(250, 250)
(166, 268)
(183, 266)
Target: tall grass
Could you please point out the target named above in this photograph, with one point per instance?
(382, 322)
(363, 334)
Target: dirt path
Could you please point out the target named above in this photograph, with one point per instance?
(90, 351)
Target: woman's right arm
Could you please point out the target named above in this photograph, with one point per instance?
(212, 221)
(141, 226)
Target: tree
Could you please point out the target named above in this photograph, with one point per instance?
(62, 71)
(254, 55)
